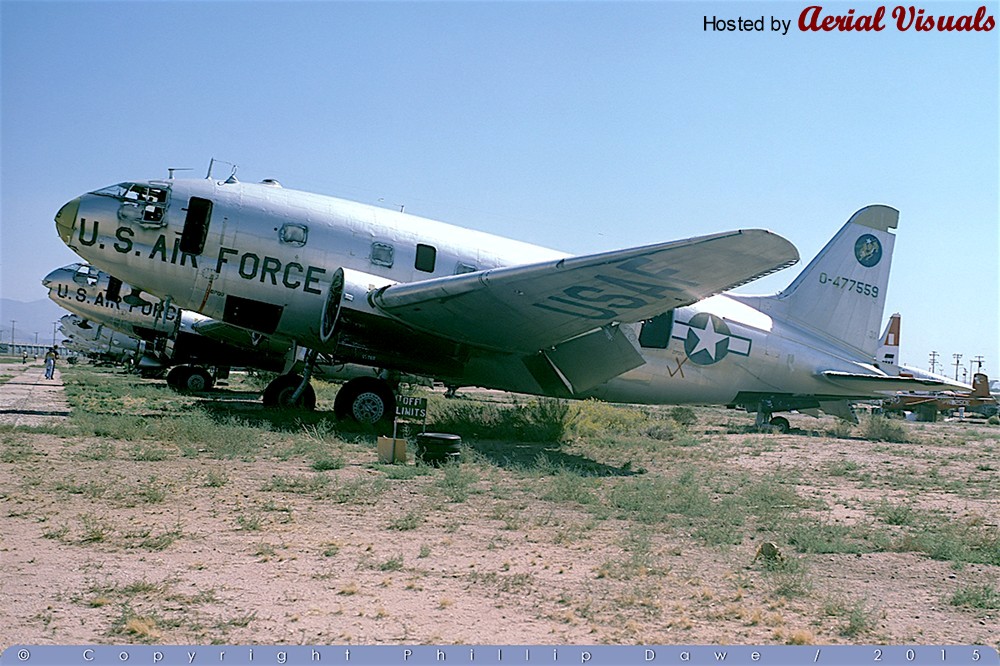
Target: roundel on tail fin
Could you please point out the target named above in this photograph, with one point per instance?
(868, 250)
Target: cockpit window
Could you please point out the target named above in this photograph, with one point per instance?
(86, 275)
(141, 202)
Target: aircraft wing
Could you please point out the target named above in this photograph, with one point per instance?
(867, 384)
(524, 309)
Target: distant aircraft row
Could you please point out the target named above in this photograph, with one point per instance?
(211, 273)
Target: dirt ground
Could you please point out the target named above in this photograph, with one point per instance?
(105, 539)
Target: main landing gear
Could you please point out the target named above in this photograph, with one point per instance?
(366, 400)
(190, 379)
(764, 419)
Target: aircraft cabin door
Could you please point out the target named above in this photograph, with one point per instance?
(197, 220)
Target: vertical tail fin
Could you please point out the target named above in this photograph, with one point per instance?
(841, 293)
(980, 386)
(887, 357)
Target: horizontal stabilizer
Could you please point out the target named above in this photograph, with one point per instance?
(866, 384)
(533, 307)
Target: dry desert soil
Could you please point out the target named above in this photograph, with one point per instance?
(145, 516)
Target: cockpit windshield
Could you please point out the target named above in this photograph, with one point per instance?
(85, 274)
(144, 203)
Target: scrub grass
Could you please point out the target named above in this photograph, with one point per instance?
(613, 522)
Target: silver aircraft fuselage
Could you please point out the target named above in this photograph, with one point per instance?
(276, 250)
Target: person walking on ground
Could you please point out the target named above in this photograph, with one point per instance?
(50, 363)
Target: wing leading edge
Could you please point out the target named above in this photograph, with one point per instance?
(524, 309)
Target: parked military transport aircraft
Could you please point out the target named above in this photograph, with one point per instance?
(927, 405)
(97, 341)
(393, 291)
(171, 335)
(199, 348)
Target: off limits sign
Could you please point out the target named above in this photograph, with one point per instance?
(411, 408)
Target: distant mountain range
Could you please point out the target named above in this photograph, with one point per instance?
(29, 318)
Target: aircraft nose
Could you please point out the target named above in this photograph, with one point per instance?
(66, 219)
(50, 279)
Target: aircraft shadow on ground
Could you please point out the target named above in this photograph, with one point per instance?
(504, 454)
(528, 455)
(255, 414)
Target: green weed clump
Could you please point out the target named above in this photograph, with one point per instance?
(878, 428)
(971, 541)
(684, 416)
(197, 432)
(977, 596)
(652, 500)
(592, 419)
(536, 420)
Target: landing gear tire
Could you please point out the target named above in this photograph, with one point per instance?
(197, 380)
(780, 424)
(280, 391)
(186, 379)
(177, 377)
(366, 400)
(437, 448)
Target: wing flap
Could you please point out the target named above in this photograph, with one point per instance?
(527, 308)
(578, 365)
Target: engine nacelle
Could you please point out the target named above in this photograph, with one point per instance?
(354, 331)
(348, 297)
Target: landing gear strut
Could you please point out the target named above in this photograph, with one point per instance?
(281, 392)
(778, 423)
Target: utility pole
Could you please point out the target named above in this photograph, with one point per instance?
(12, 322)
(978, 360)
(958, 363)
(54, 324)
(934, 356)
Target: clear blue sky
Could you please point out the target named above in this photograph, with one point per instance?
(579, 126)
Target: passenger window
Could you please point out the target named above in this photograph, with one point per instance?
(199, 213)
(294, 234)
(655, 333)
(382, 254)
(426, 257)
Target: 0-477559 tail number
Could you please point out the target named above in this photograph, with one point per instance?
(847, 284)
